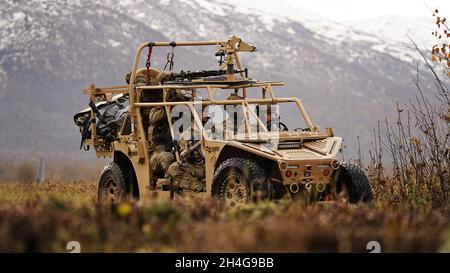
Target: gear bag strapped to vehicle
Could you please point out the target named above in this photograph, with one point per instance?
(110, 116)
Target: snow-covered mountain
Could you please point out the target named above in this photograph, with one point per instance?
(50, 50)
(399, 29)
(389, 34)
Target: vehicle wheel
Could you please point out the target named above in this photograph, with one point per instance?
(238, 181)
(353, 184)
(112, 187)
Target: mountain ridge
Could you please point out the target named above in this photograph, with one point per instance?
(54, 50)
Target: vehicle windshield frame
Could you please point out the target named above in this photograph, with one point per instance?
(246, 125)
(210, 100)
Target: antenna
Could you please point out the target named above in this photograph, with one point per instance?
(40, 174)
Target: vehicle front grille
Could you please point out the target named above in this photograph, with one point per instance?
(318, 146)
(289, 145)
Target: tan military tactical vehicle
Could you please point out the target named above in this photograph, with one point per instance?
(260, 158)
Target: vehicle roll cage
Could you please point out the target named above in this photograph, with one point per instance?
(266, 86)
(229, 49)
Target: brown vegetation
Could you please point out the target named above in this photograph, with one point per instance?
(417, 144)
(24, 168)
(46, 216)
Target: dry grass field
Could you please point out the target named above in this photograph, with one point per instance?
(44, 217)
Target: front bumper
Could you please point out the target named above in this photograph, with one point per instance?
(301, 172)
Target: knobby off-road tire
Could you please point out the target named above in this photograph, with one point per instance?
(112, 187)
(240, 180)
(353, 179)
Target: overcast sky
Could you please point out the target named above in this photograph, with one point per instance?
(345, 10)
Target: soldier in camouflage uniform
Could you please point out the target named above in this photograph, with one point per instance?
(235, 96)
(159, 134)
(189, 173)
(160, 137)
(156, 76)
(158, 129)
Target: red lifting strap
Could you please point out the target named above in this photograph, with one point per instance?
(149, 56)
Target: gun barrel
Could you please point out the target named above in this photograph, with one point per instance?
(198, 74)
